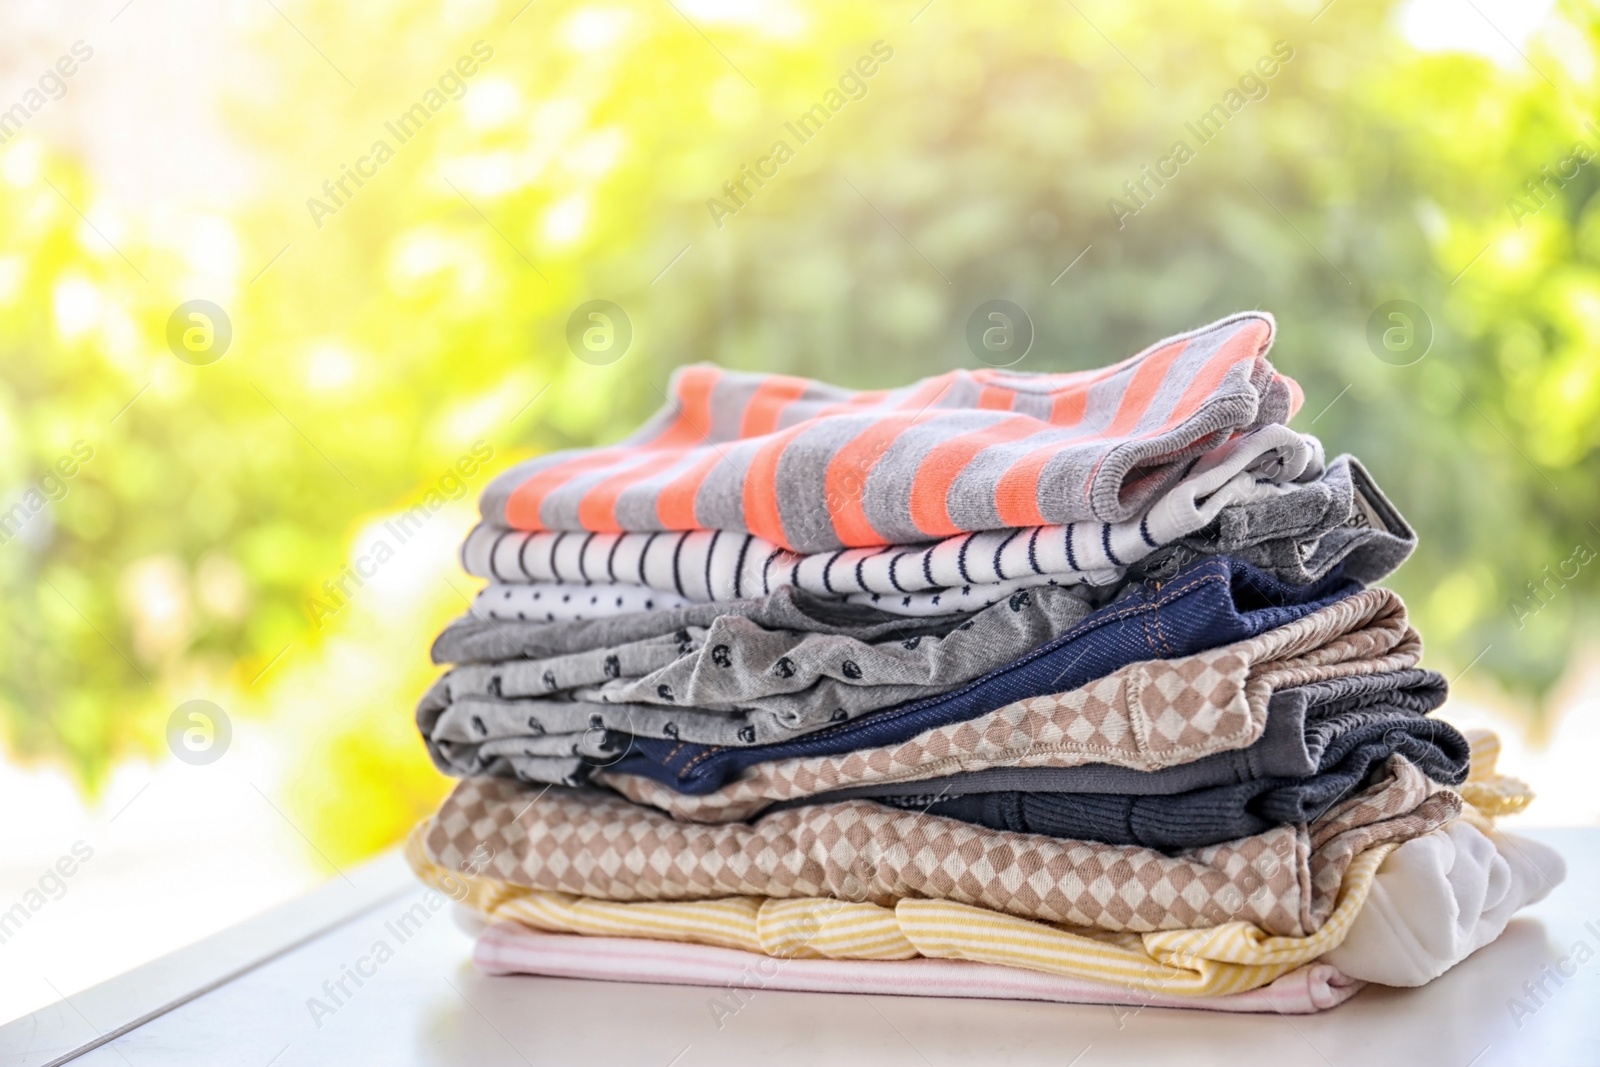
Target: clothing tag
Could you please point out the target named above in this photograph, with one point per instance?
(1161, 567)
(1366, 514)
(1269, 466)
(920, 800)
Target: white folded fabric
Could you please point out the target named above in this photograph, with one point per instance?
(1439, 898)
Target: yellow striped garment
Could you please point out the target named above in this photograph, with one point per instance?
(1492, 794)
(1209, 962)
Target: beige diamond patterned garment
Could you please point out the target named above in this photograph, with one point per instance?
(596, 844)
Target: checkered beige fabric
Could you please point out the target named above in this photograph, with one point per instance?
(1406, 804)
(1149, 715)
(595, 844)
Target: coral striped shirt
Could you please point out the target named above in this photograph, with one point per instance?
(812, 467)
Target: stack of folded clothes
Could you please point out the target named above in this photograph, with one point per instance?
(1067, 687)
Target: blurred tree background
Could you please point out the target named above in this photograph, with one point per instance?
(374, 344)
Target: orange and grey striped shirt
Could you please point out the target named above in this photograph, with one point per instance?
(813, 467)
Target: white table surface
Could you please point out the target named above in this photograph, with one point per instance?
(241, 998)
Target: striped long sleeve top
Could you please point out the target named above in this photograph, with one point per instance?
(812, 467)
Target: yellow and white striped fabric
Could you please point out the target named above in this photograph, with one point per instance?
(1211, 962)
(1492, 794)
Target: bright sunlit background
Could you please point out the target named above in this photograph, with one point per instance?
(1425, 151)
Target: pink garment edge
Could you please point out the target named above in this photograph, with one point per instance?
(509, 948)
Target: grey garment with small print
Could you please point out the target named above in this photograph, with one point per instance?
(1298, 537)
(730, 683)
(558, 758)
(475, 639)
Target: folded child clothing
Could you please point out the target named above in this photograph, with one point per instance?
(511, 948)
(1486, 790)
(1146, 715)
(1300, 556)
(595, 844)
(958, 573)
(1297, 531)
(785, 665)
(1439, 897)
(1071, 679)
(958, 453)
(1341, 519)
(1214, 961)
(1214, 602)
(1321, 741)
(1215, 814)
(1302, 724)
(841, 675)
(809, 688)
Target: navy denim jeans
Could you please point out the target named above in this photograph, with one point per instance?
(1215, 601)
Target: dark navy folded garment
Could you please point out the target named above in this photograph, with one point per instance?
(1210, 603)
(1211, 816)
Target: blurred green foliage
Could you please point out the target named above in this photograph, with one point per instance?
(429, 310)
